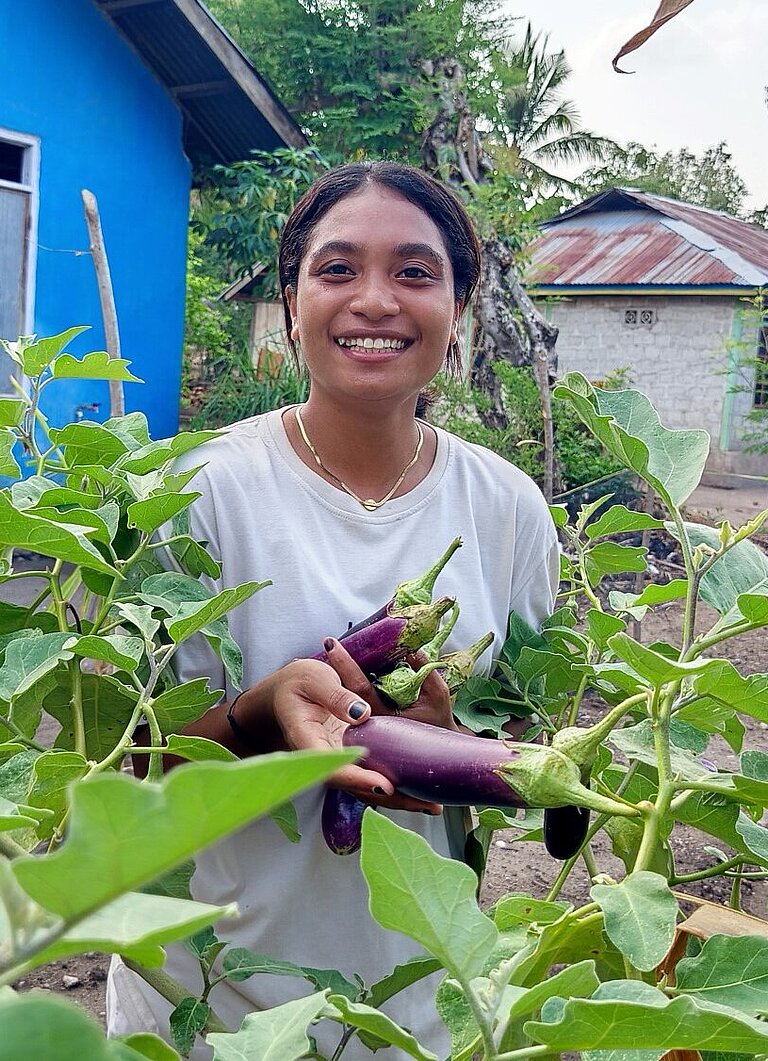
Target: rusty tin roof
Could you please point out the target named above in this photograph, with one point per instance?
(624, 237)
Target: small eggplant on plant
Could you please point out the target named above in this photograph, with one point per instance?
(403, 684)
(407, 594)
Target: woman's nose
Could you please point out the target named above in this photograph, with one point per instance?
(374, 299)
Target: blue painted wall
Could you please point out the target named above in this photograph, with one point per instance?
(104, 124)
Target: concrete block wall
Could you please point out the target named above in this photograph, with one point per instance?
(679, 360)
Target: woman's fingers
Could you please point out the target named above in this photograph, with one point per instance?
(350, 674)
(372, 787)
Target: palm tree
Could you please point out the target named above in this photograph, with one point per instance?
(539, 130)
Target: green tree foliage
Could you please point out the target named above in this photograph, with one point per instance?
(709, 179)
(351, 70)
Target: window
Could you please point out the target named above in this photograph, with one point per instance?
(760, 398)
(18, 216)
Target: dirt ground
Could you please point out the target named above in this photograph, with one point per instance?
(526, 867)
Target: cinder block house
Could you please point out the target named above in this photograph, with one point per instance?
(659, 286)
(126, 98)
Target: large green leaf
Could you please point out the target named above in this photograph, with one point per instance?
(155, 454)
(107, 706)
(610, 558)
(37, 1026)
(190, 618)
(402, 976)
(653, 666)
(123, 833)
(28, 659)
(52, 774)
(636, 742)
(631, 1014)
(618, 520)
(37, 355)
(640, 917)
(88, 443)
(153, 512)
(729, 970)
(38, 535)
(368, 1019)
(181, 704)
(122, 652)
(431, 899)
(720, 817)
(743, 569)
(626, 423)
(241, 964)
(96, 365)
(278, 1034)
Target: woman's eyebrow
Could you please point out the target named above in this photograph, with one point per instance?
(335, 246)
(420, 250)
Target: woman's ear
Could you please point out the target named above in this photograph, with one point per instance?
(290, 300)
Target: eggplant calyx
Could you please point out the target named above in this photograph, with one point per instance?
(581, 745)
(460, 665)
(403, 684)
(432, 648)
(421, 623)
(544, 777)
(419, 590)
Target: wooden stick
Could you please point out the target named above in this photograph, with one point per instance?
(106, 297)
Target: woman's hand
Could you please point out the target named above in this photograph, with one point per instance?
(312, 706)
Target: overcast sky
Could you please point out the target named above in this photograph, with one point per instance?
(699, 80)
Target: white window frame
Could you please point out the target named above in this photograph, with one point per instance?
(30, 184)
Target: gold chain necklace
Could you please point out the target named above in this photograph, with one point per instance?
(368, 503)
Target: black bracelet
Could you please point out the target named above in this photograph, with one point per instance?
(236, 728)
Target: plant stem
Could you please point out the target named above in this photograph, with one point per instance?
(345, 1037)
(689, 618)
(713, 871)
(527, 1051)
(489, 1049)
(166, 986)
(9, 848)
(661, 714)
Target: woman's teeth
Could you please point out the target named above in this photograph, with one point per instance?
(373, 344)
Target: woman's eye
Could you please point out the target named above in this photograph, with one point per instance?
(415, 272)
(336, 269)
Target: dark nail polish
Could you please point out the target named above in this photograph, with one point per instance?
(378, 790)
(356, 710)
(328, 644)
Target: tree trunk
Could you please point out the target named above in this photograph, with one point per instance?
(511, 327)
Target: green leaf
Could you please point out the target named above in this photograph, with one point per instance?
(514, 910)
(198, 749)
(27, 660)
(278, 1034)
(12, 411)
(137, 926)
(152, 513)
(35, 534)
(9, 466)
(122, 652)
(11, 817)
(718, 816)
(174, 883)
(186, 1021)
(402, 976)
(601, 626)
(192, 807)
(640, 917)
(241, 964)
(636, 742)
(743, 569)
(36, 356)
(653, 666)
(140, 616)
(619, 520)
(37, 1026)
(519, 634)
(625, 422)
(559, 514)
(431, 899)
(150, 1046)
(287, 820)
(96, 365)
(610, 558)
(575, 981)
(368, 1019)
(554, 668)
(155, 454)
(52, 774)
(643, 1017)
(723, 683)
(754, 606)
(107, 706)
(563, 942)
(181, 704)
(86, 443)
(677, 589)
(729, 970)
(191, 618)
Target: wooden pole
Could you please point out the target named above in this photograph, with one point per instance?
(106, 297)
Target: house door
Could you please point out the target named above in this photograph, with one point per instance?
(15, 223)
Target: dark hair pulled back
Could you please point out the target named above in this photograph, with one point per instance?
(440, 204)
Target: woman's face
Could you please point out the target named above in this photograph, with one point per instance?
(374, 308)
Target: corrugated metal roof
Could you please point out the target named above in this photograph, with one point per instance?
(626, 237)
(229, 110)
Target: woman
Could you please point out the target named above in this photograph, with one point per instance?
(336, 502)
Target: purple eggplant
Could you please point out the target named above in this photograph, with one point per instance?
(565, 830)
(407, 594)
(457, 769)
(342, 821)
(435, 764)
(377, 647)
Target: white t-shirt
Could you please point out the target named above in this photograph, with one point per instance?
(267, 515)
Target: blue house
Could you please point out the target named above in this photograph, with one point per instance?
(128, 99)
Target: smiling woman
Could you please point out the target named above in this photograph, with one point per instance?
(336, 502)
